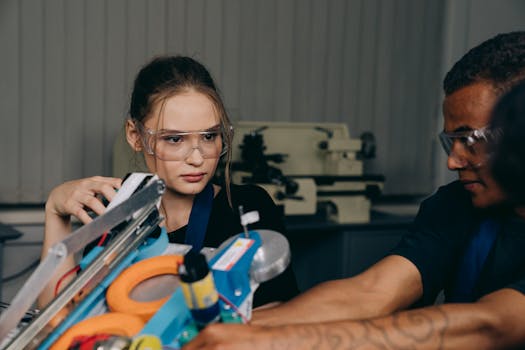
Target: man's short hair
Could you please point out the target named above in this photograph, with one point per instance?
(499, 61)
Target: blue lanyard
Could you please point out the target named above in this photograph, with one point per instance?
(472, 262)
(199, 217)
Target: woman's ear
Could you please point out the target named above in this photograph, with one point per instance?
(133, 136)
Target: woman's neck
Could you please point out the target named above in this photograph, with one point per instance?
(176, 209)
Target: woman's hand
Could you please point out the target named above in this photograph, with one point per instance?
(72, 198)
(77, 197)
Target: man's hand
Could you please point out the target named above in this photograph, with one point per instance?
(235, 337)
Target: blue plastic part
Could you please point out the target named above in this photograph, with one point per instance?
(153, 246)
(173, 323)
(96, 296)
(168, 323)
(234, 284)
(93, 253)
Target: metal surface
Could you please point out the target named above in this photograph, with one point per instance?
(271, 259)
(136, 209)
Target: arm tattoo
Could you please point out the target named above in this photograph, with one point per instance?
(416, 329)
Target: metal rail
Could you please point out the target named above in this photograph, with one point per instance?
(136, 211)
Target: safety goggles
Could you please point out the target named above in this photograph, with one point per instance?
(179, 145)
(470, 140)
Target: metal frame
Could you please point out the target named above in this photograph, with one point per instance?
(141, 217)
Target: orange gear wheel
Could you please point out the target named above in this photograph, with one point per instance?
(111, 323)
(117, 296)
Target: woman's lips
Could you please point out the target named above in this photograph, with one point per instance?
(193, 177)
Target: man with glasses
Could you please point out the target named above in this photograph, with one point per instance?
(466, 241)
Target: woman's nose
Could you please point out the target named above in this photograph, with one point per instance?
(195, 156)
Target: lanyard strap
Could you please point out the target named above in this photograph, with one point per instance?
(199, 217)
(472, 262)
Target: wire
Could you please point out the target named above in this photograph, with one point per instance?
(73, 270)
(223, 298)
(77, 268)
(102, 239)
(21, 272)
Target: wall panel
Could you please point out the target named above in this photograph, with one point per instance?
(115, 79)
(74, 89)
(371, 64)
(10, 154)
(31, 97)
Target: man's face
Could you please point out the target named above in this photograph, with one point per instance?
(468, 109)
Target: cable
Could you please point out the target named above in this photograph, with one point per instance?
(102, 239)
(21, 272)
(73, 270)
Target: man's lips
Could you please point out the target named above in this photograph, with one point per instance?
(193, 177)
(471, 185)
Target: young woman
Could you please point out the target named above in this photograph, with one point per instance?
(179, 123)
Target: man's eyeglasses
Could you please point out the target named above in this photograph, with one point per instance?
(178, 145)
(468, 139)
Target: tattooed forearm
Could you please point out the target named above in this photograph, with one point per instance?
(418, 329)
(424, 328)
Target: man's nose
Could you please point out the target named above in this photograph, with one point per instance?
(457, 158)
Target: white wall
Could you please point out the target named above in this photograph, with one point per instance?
(67, 68)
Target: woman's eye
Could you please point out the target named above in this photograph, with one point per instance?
(209, 136)
(172, 138)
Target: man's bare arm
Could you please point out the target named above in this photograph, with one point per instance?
(495, 322)
(390, 285)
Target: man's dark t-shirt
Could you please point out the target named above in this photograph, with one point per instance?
(439, 236)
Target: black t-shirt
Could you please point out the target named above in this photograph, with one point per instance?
(440, 234)
(224, 222)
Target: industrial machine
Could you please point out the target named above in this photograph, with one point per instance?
(128, 292)
(309, 168)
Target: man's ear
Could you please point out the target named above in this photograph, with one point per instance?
(133, 136)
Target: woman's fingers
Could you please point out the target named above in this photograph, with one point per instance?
(80, 196)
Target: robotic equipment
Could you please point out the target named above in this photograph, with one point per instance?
(128, 294)
(318, 168)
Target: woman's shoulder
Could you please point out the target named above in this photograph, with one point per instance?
(249, 196)
(248, 191)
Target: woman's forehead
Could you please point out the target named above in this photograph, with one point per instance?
(188, 111)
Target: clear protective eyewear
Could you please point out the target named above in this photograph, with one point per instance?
(469, 139)
(179, 145)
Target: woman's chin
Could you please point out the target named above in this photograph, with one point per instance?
(187, 189)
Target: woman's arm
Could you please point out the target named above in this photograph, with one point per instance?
(73, 198)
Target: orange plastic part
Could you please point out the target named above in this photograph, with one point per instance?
(117, 296)
(111, 323)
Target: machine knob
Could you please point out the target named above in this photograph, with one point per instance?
(368, 146)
